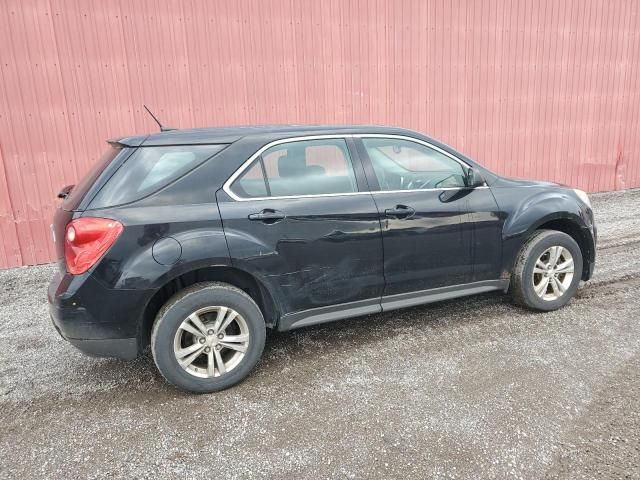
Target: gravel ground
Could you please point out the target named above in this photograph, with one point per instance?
(473, 388)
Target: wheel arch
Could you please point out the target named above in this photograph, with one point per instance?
(553, 209)
(567, 222)
(573, 226)
(220, 273)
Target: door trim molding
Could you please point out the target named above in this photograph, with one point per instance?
(330, 313)
(386, 303)
(403, 300)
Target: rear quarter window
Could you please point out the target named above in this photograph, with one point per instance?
(148, 170)
(72, 201)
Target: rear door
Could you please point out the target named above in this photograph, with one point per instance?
(421, 195)
(299, 216)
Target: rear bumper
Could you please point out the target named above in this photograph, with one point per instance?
(96, 320)
(124, 348)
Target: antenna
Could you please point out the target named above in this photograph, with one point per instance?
(162, 128)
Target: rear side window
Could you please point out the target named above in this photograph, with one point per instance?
(299, 168)
(148, 170)
(252, 183)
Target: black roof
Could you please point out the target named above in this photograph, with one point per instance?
(228, 135)
(232, 134)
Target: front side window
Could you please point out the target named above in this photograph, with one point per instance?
(405, 165)
(309, 167)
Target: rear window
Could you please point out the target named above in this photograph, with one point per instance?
(80, 190)
(148, 170)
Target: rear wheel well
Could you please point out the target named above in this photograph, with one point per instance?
(572, 229)
(232, 276)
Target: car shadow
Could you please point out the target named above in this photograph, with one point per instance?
(301, 347)
(371, 329)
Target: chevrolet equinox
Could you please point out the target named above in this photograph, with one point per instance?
(197, 241)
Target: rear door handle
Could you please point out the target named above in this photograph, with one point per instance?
(267, 216)
(400, 211)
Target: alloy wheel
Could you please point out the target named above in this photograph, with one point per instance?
(211, 341)
(553, 273)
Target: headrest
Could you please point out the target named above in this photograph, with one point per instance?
(293, 163)
(315, 170)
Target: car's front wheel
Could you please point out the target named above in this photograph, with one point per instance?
(208, 337)
(547, 271)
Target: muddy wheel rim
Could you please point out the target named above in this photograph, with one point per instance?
(553, 273)
(211, 341)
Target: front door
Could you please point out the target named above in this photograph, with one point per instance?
(422, 200)
(298, 216)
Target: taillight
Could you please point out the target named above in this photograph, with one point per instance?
(86, 240)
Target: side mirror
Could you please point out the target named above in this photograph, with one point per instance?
(474, 178)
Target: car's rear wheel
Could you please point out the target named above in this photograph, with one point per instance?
(547, 271)
(208, 337)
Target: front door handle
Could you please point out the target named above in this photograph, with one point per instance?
(400, 211)
(267, 216)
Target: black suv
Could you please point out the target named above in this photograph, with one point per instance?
(197, 241)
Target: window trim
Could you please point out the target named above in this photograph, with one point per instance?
(265, 177)
(134, 150)
(464, 164)
(227, 185)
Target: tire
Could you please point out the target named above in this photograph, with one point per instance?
(176, 330)
(540, 246)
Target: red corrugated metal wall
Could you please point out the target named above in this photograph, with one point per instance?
(545, 89)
